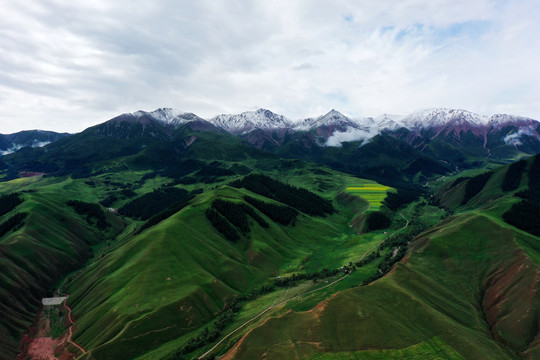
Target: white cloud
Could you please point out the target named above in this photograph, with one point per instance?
(339, 137)
(15, 147)
(515, 138)
(67, 65)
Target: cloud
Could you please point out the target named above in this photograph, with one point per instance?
(15, 147)
(339, 137)
(67, 65)
(304, 66)
(515, 138)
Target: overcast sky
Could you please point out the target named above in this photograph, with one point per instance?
(66, 65)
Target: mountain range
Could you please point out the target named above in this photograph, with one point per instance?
(263, 128)
(438, 121)
(499, 135)
(253, 236)
(390, 148)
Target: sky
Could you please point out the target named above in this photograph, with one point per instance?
(67, 65)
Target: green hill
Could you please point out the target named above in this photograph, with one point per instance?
(51, 241)
(170, 280)
(467, 289)
(466, 286)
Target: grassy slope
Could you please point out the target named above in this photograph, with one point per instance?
(52, 241)
(433, 349)
(471, 282)
(185, 264)
(446, 288)
(348, 246)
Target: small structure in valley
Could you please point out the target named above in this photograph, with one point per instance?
(53, 301)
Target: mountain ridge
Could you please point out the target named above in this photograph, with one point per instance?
(442, 120)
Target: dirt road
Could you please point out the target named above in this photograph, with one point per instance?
(69, 336)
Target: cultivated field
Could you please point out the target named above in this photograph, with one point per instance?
(372, 192)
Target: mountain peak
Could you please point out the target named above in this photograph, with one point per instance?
(166, 115)
(250, 120)
(499, 119)
(441, 116)
(334, 112)
(331, 118)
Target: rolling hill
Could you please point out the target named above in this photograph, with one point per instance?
(467, 289)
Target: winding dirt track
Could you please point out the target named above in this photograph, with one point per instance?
(297, 296)
(266, 310)
(70, 330)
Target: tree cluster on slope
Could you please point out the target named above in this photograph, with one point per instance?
(395, 200)
(222, 225)
(164, 214)
(513, 175)
(234, 213)
(231, 218)
(9, 202)
(299, 198)
(525, 214)
(286, 281)
(278, 213)
(377, 220)
(475, 185)
(147, 205)
(13, 223)
(92, 211)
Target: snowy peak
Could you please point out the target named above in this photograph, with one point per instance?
(168, 116)
(382, 122)
(439, 117)
(251, 120)
(332, 118)
(502, 119)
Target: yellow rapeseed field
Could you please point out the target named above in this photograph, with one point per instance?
(373, 193)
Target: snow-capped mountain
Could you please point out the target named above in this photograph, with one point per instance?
(442, 117)
(251, 120)
(331, 119)
(381, 122)
(502, 119)
(325, 125)
(500, 135)
(267, 130)
(169, 116)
